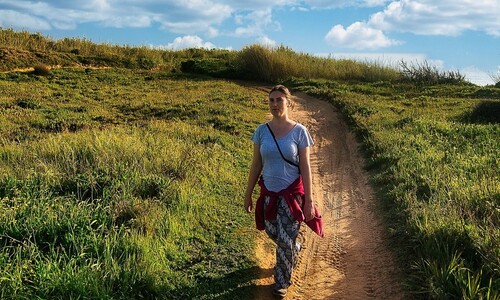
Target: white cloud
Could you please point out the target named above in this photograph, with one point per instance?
(99, 4)
(372, 3)
(128, 22)
(201, 9)
(325, 4)
(258, 4)
(444, 17)
(256, 23)
(477, 76)
(56, 17)
(328, 4)
(10, 18)
(359, 35)
(187, 16)
(299, 8)
(425, 17)
(189, 41)
(266, 41)
(212, 32)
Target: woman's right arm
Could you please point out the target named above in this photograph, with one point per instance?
(255, 170)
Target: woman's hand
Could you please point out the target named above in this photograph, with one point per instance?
(248, 204)
(309, 212)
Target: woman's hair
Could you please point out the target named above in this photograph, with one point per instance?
(284, 90)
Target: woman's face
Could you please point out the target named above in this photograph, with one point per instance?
(278, 104)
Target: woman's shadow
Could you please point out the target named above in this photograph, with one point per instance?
(241, 284)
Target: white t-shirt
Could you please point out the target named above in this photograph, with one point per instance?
(277, 173)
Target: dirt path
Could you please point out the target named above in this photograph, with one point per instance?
(352, 261)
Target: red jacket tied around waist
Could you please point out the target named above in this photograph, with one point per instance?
(288, 194)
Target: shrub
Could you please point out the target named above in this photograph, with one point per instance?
(496, 79)
(425, 73)
(215, 67)
(487, 111)
(146, 63)
(41, 70)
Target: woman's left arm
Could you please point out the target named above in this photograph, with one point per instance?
(305, 171)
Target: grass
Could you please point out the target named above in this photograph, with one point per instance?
(436, 164)
(24, 49)
(281, 63)
(124, 184)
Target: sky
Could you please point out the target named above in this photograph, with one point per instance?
(452, 35)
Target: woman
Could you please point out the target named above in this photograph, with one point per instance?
(285, 180)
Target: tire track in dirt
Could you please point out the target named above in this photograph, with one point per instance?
(353, 260)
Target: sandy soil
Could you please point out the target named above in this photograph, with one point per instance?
(353, 260)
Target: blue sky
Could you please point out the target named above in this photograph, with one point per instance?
(461, 35)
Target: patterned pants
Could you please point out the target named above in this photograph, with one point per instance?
(283, 231)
